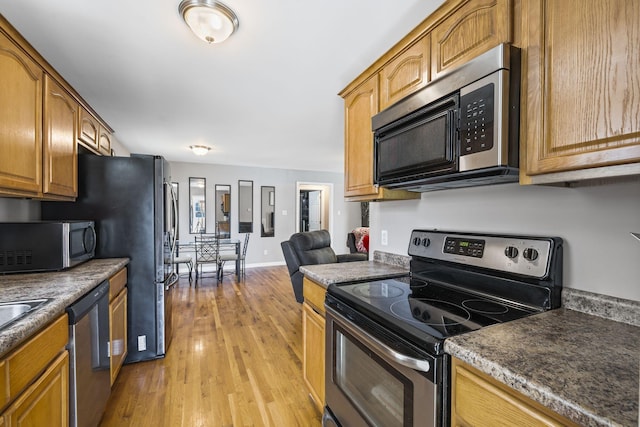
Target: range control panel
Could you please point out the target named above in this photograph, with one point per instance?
(527, 256)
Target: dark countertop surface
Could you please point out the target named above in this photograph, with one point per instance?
(581, 366)
(61, 288)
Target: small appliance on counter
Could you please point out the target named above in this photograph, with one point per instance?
(45, 245)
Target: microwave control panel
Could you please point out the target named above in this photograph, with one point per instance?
(476, 120)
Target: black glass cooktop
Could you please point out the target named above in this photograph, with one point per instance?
(425, 313)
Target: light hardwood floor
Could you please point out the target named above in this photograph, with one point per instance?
(235, 360)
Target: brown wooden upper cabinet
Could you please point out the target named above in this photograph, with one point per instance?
(406, 73)
(42, 119)
(582, 88)
(458, 31)
(60, 150)
(88, 130)
(21, 86)
(473, 28)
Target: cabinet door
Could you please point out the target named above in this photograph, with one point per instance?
(406, 73)
(60, 149)
(21, 112)
(313, 325)
(479, 400)
(88, 130)
(118, 333)
(104, 141)
(360, 105)
(474, 28)
(46, 402)
(583, 84)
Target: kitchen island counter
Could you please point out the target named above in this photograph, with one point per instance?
(61, 288)
(342, 272)
(581, 366)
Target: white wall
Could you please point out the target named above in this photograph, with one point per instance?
(346, 216)
(599, 253)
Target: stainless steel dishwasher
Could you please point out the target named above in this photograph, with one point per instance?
(89, 378)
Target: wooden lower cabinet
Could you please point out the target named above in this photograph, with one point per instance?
(313, 327)
(117, 322)
(35, 379)
(46, 402)
(479, 400)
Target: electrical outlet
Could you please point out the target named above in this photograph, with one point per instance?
(266, 252)
(284, 213)
(142, 342)
(384, 238)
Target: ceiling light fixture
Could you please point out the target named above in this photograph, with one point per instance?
(210, 20)
(199, 150)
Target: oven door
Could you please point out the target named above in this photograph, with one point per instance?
(377, 381)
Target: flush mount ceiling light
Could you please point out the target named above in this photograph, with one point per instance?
(210, 20)
(199, 150)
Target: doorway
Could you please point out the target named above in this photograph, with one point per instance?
(313, 208)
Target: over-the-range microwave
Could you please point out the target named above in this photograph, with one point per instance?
(45, 245)
(460, 130)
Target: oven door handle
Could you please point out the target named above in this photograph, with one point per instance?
(382, 348)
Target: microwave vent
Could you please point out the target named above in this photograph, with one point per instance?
(21, 257)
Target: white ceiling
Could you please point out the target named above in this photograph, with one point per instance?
(265, 97)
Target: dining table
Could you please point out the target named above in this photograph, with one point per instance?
(226, 245)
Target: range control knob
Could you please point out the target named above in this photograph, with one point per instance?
(530, 254)
(426, 242)
(416, 241)
(511, 252)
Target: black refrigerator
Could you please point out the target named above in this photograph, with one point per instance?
(133, 205)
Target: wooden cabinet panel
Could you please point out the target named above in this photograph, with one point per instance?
(406, 73)
(30, 359)
(477, 400)
(314, 294)
(104, 141)
(117, 333)
(313, 326)
(46, 402)
(21, 113)
(472, 29)
(582, 84)
(88, 130)
(117, 282)
(60, 149)
(360, 105)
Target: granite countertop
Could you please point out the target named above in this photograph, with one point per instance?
(581, 366)
(327, 274)
(61, 287)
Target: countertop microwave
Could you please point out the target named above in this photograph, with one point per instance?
(45, 245)
(460, 130)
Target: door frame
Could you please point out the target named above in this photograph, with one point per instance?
(326, 189)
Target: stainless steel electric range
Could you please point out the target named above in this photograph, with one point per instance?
(385, 362)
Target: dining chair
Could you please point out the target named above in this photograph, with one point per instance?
(243, 254)
(223, 257)
(207, 252)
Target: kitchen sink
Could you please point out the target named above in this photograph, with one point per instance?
(14, 310)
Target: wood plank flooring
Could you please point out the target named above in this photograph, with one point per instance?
(235, 360)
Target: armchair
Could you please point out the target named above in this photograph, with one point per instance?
(310, 248)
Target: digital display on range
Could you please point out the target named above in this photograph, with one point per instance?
(466, 247)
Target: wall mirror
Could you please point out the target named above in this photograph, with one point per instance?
(222, 197)
(197, 211)
(268, 209)
(245, 206)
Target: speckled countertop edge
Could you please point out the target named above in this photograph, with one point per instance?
(342, 272)
(61, 287)
(581, 366)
